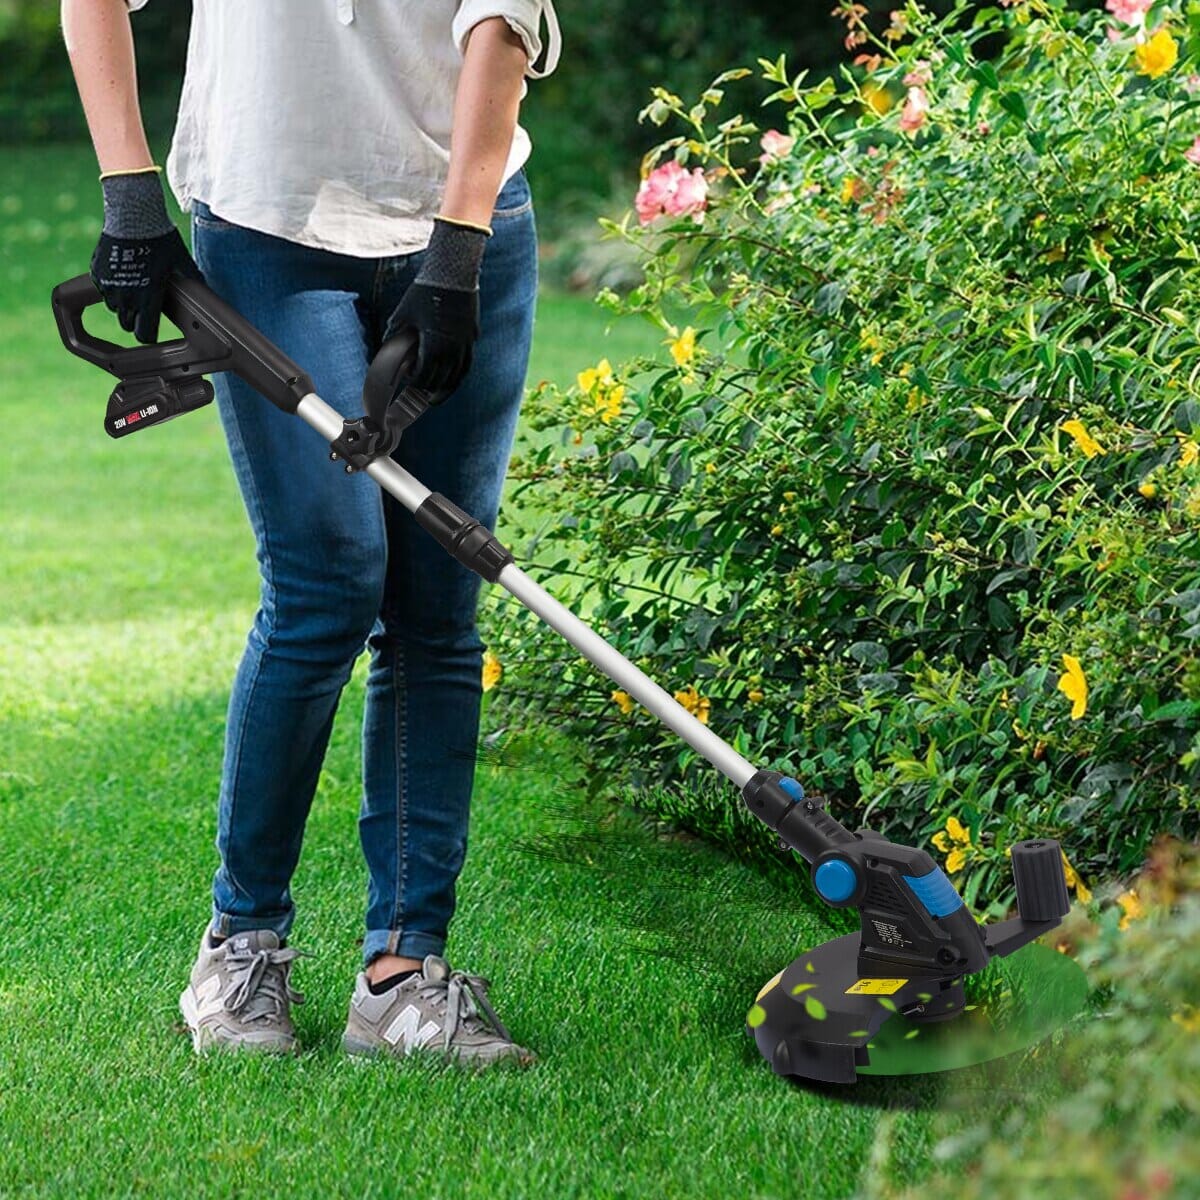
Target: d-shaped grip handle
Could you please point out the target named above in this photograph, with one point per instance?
(215, 338)
(69, 300)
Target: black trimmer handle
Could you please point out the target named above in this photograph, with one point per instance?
(390, 402)
(215, 338)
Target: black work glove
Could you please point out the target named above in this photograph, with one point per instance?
(137, 251)
(442, 305)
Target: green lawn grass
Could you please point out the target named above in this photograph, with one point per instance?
(626, 958)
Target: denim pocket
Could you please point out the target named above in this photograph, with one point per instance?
(203, 215)
(514, 198)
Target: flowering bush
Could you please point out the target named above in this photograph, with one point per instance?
(1111, 1112)
(910, 507)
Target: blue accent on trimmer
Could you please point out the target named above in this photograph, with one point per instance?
(936, 892)
(836, 880)
(792, 787)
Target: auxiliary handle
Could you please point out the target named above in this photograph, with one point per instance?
(215, 338)
(390, 405)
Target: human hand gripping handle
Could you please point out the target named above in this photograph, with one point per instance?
(138, 249)
(442, 305)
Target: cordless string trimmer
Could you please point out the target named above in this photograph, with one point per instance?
(817, 1017)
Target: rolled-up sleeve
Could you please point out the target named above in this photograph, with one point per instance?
(524, 17)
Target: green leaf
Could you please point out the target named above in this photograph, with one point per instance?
(1187, 417)
(986, 74)
(1014, 104)
(1174, 711)
(819, 97)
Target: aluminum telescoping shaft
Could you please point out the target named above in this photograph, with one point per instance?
(412, 493)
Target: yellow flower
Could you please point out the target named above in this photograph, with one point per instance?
(1073, 881)
(699, 706)
(776, 530)
(754, 695)
(877, 99)
(608, 404)
(710, 468)
(1158, 55)
(1187, 1018)
(601, 373)
(604, 394)
(1073, 685)
(1131, 908)
(623, 700)
(955, 842)
(1189, 451)
(1083, 439)
(850, 189)
(683, 348)
(492, 670)
(1148, 489)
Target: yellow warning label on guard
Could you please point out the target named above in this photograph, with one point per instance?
(876, 987)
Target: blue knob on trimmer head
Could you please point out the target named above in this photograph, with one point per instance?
(835, 880)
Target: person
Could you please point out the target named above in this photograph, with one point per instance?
(352, 168)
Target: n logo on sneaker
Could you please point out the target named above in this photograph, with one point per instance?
(208, 997)
(407, 1029)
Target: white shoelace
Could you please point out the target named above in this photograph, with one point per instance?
(259, 984)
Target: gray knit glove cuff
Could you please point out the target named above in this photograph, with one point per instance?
(134, 206)
(453, 256)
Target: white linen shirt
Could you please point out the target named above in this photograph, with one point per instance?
(327, 122)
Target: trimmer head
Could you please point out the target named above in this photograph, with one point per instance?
(818, 1019)
(823, 1016)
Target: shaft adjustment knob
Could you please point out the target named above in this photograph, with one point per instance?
(1041, 882)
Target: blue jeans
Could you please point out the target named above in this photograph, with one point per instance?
(344, 567)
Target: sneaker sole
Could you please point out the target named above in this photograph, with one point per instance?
(357, 1048)
(204, 1040)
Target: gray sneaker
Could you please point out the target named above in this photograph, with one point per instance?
(436, 1011)
(239, 996)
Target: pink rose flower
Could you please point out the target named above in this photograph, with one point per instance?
(1132, 12)
(775, 145)
(916, 108)
(652, 192)
(671, 190)
(1193, 155)
(920, 75)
